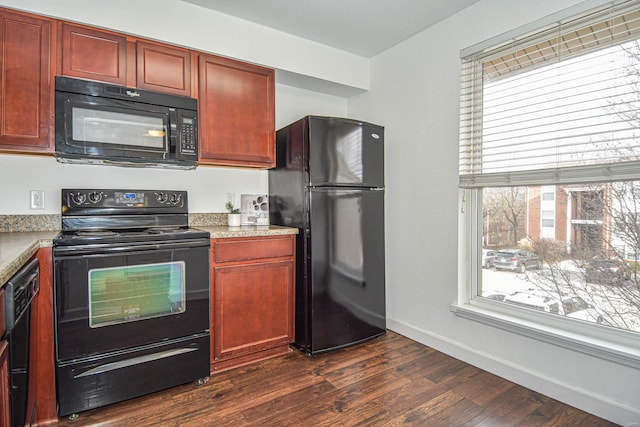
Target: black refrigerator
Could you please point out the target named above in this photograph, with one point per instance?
(329, 183)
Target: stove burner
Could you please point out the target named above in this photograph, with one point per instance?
(100, 233)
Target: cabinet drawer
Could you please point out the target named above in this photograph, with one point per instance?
(229, 250)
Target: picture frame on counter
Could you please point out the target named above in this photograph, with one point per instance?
(254, 209)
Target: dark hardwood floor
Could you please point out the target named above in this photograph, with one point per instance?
(389, 381)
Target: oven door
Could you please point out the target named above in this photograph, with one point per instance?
(110, 297)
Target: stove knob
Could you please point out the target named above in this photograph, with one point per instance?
(174, 199)
(78, 198)
(162, 197)
(95, 197)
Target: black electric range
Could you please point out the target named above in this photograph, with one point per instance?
(131, 297)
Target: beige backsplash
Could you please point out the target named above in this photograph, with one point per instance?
(10, 223)
(207, 219)
(29, 222)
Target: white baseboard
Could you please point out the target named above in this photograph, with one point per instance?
(594, 403)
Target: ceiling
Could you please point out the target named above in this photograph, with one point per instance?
(362, 27)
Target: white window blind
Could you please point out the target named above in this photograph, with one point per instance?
(559, 105)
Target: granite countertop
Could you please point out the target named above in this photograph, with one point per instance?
(221, 231)
(16, 248)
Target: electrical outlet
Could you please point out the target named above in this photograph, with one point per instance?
(37, 199)
(231, 197)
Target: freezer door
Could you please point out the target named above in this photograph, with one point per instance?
(347, 267)
(344, 152)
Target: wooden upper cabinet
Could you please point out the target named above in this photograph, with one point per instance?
(236, 99)
(163, 68)
(25, 88)
(93, 54)
(237, 113)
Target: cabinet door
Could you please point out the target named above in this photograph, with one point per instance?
(237, 119)
(93, 54)
(42, 384)
(252, 309)
(163, 68)
(5, 403)
(25, 91)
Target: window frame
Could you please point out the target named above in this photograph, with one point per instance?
(613, 344)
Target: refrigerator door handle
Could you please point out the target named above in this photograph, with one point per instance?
(343, 188)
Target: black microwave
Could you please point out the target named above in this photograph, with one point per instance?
(115, 125)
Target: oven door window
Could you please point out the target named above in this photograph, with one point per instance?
(130, 293)
(118, 128)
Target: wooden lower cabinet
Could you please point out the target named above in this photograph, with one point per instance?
(42, 381)
(252, 289)
(5, 403)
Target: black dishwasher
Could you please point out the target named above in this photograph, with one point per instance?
(19, 292)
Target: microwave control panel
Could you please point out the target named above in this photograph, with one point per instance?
(189, 135)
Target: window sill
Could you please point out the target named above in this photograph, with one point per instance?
(561, 332)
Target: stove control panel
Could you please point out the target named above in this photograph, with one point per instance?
(123, 200)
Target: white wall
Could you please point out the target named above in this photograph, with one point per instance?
(414, 93)
(293, 103)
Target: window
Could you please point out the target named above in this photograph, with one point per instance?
(550, 164)
(547, 218)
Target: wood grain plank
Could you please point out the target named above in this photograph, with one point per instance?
(389, 381)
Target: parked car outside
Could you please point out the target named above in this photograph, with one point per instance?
(570, 306)
(516, 260)
(488, 256)
(607, 271)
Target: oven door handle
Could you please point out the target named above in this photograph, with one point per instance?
(108, 248)
(134, 361)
